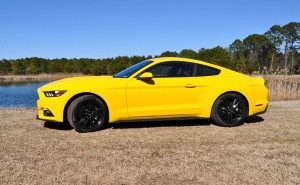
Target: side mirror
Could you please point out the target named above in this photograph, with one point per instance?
(145, 76)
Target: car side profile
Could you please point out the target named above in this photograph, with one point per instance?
(154, 89)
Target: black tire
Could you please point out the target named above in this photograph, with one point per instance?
(87, 114)
(229, 110)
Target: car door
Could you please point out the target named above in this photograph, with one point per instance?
(171, 91)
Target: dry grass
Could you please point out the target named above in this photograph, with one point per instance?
(266, 150)
(39, 77)
(283, 87)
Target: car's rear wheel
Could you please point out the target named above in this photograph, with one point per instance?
(229, 110)
(87, 114)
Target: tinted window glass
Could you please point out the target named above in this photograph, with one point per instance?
(173, 69)
(203, 70)
(132, 69)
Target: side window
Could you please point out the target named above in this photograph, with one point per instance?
(203, 70)
(173, 69)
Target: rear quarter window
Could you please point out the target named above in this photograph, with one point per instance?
(203, 70)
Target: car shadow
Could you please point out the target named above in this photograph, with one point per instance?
(152, 124)
(254, 119)
(131, 125)
(57, 126)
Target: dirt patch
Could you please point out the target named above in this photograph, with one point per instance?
(265, 150)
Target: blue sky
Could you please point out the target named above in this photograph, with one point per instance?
(100, 29)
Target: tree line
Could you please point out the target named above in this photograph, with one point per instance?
(274, 52)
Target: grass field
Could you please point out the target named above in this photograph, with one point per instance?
(283, 87)
(39, 77)
(265, 150)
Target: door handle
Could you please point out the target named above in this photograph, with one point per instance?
(190, 86)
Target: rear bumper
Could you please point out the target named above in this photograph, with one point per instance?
(261, 112)
(259, 107)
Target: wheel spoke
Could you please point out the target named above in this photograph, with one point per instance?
(226, 103)
(222, 112)
(81, 111)
(228, 116)
(237, 112)
(95, 121)
(231, 116)
(83, 121)
(98, 111)
(235, 103)
(90, 105)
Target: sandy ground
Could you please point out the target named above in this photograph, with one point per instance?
(265, 150)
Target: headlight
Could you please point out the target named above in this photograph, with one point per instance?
(54, 93)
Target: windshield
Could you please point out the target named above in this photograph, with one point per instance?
(132, 69)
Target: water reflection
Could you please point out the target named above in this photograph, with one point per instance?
(19, 94)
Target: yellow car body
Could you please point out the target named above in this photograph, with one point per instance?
(131, 98)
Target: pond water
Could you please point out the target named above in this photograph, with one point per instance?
(19, 94)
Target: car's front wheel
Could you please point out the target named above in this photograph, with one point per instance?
(87, 114)
(229, 110)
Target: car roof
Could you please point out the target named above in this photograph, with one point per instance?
(180, 59)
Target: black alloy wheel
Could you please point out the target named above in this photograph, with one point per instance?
(229, 110)
(87, 114)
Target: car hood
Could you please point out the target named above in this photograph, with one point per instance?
(80, 83)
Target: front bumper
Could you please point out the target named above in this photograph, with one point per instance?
(46, 115)
(55, 109)
(38, 118)
(50, 109)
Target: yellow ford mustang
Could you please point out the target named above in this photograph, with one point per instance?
(155, 89)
